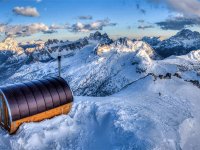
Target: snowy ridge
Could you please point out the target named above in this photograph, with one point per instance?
(180, 44)
(153, 41)
(194, 55)
(90, 74)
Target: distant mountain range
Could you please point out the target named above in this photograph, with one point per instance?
(97, 65)
(20, 59)
(180, 44)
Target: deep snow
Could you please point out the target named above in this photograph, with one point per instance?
(138, 117)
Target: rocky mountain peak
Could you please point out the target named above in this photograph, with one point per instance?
(153, 41)
(124, 42)
(9, 44)
(102, 38)
(188, 34)
(52, 41)
(180, 44)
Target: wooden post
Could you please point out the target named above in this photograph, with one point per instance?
(59, 66)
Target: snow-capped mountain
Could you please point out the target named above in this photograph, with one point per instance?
(90, 49)
(65, 48)
(11, 45)
(104, 69)
(100, 38)
(8, 48)
(12, 57)
(94, 69)
(180, 44)
(153, 41)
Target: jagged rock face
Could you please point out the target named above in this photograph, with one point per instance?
(53, 41)
(123, 41)
(153, 41)
(187, 34)
(101, 38)
(40, 55)
(10, 44)
(180, 44)
(46, 51)
(35, 51)
(11, 52)
(134, 40)
(65, 48)
(4, 55)
(142, 53)
(125, 45)
(122, 44)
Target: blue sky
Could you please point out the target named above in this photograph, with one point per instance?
(131, 18)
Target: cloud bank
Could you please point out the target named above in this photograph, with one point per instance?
(93, 26)
(190, 8)
(178, 23)
(143, 27)
(28, 30)
(26, 11)
(23, 30)
(85, 17)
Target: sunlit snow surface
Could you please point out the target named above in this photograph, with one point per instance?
(141, 113)
(135, 118)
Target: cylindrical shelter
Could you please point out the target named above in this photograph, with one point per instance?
(33, 101)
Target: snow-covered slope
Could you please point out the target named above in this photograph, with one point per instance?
(148, 114)
(104, 69)
(12, 57)
(186, 67)
(180, 44)
(9, 49)
(95, 70)
(153, 41)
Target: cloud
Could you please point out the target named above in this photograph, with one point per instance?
(2, 28)
(57, 27)
(143, 27)
(36, 27)
(28, 30)
(38, 1)
(85, 17)
(178, 23)
(49, 31)
(129, 27)
(93, 26)
(141, 21)
(190, 8)
(143, 11)
(26, 11)
(23, 30)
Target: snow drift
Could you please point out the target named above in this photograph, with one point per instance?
(138, 117)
